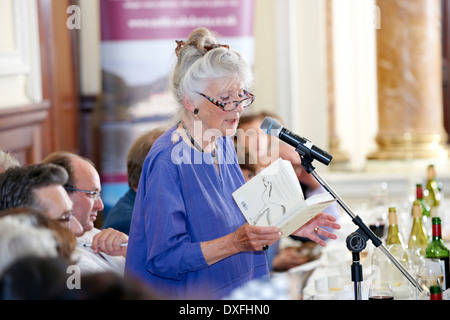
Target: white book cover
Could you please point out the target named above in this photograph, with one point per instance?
(274, 198)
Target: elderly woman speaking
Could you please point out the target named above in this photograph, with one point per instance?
(188, 238)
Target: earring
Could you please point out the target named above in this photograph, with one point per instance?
(195, 112)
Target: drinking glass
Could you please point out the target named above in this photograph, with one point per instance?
(381, 291)
(430, 273)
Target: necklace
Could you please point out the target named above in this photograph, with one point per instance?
(195, 144)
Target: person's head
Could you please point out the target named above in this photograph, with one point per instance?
(36, 278)
(7, 160)
(83, 186)
(208, 79)
(137, 153)
(19, 237)
(39, 186)
(251, 138)
(64, 237)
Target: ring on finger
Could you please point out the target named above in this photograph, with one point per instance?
(316, 230)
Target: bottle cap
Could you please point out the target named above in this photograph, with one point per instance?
(436, 220)
(435, 289)
(419, 191)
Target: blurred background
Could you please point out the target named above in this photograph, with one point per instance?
(365, 80)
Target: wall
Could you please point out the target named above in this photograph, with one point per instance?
(19, 53)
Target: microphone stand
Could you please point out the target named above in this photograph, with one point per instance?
(363, 229)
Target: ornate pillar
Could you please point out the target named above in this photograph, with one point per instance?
(335, 151)
(409, 66)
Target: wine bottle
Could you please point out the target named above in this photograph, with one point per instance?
(434, 194)
(435, 292)
(437, 250)
(424, 205)
(394, 239)
(418, 239)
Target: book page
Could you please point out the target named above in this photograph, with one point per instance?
(274, 198)
(300, 215)
(266, 198)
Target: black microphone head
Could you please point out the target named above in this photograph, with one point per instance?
(271, 126)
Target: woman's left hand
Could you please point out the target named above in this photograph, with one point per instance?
(312, 230)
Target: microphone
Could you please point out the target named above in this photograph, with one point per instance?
(303, 146)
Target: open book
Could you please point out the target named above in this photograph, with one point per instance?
(274, 198)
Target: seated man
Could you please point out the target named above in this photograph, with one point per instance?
(39, 187)
(97, 250)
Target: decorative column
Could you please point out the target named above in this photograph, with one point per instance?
(409, 65)
(335, 151)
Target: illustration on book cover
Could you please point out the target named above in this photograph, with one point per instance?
(272, 209)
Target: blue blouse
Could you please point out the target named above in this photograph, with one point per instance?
(182, 200)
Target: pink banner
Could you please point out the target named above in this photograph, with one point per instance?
(174, 19)
(137, 56)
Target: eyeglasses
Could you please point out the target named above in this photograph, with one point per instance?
(66, 218)
(92, 194)
(230, 106)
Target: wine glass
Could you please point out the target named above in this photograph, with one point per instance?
(430, 273)
(381, 291)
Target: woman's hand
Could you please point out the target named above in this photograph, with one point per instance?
(308, 230)
(253, 238)
(245, 238)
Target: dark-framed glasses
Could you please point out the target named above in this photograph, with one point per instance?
(232, 105)
(91, 194)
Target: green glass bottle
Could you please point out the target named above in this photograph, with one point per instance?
(435, 292)
(437, 250)
(394, 239)
(418, 239)
(423, 203)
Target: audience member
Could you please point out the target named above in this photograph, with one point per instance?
(250, 138)
(20, 237)
(64, 237)
(47, 278)
(41, 187)
(287, 252)
(97, 250)
(119, 217)
(36, 278)
(7, 160)
(110, 286)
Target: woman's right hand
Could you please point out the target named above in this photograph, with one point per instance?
(246, 238)
(253, 238)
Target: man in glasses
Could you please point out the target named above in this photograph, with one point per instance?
(41, 187)
(98, 250)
